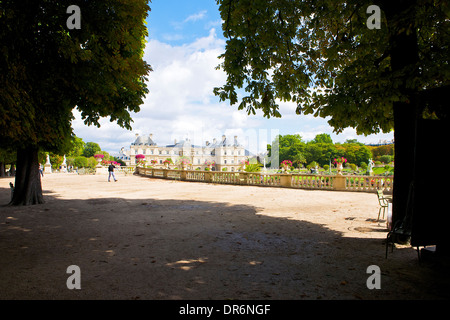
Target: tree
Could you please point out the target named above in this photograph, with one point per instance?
(80, 162)
(56, 160)
(322, 55)
(354, 151)
(382, 150)
(7, 156)
(77, 147)
(290, 147)
(321, 153)
(90, 149)
(323, 138)
(386, 159)
(47, 69)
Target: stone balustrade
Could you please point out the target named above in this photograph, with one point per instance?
(299, 181)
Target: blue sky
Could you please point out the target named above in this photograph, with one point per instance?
(185, 40)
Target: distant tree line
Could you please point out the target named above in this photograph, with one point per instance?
(80, 155)
(322, 150)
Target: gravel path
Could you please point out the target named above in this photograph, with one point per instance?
(142, 238)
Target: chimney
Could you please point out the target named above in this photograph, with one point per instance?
(137, 135)
(175, 141)
(151, 136)
(223, 138)
(207, 143)
(214, 140)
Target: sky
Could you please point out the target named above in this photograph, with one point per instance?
(184, 42)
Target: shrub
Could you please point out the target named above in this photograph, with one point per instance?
(80, 162)
(313, 164)
(253, 167)
(386, 159)
(91, 162)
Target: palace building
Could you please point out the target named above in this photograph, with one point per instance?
(226, 154)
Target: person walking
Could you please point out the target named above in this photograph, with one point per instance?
(111, 172)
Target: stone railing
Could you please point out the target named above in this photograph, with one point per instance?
(299, 181)
(104, 170)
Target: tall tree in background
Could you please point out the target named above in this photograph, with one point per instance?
(90, 149)
(322, 55)
(48, 68)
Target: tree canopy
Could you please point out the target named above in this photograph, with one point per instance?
(90, 149)
(48, 68)
(321, 55)
(321, 150)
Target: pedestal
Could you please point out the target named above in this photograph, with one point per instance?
(48, 165)
(101, 170)
(285, 180)
(47, 168)
(339, 182)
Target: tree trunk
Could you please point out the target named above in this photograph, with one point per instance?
(2, 169)
(419, 197)
(404, 58)
(27, 187)
(404, 136)
(12, 170)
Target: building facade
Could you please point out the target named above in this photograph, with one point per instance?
(225, 154)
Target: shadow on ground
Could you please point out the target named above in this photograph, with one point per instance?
(181, 249)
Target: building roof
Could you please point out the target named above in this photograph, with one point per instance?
(143, 140)
(186, 143)
(225, 143)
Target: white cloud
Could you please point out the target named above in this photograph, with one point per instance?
(181, 104)
(197, 16)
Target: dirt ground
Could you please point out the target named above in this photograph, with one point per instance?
(151, 239)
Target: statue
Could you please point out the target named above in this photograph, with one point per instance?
(48, 166)
(64, 165)
(370, 167)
